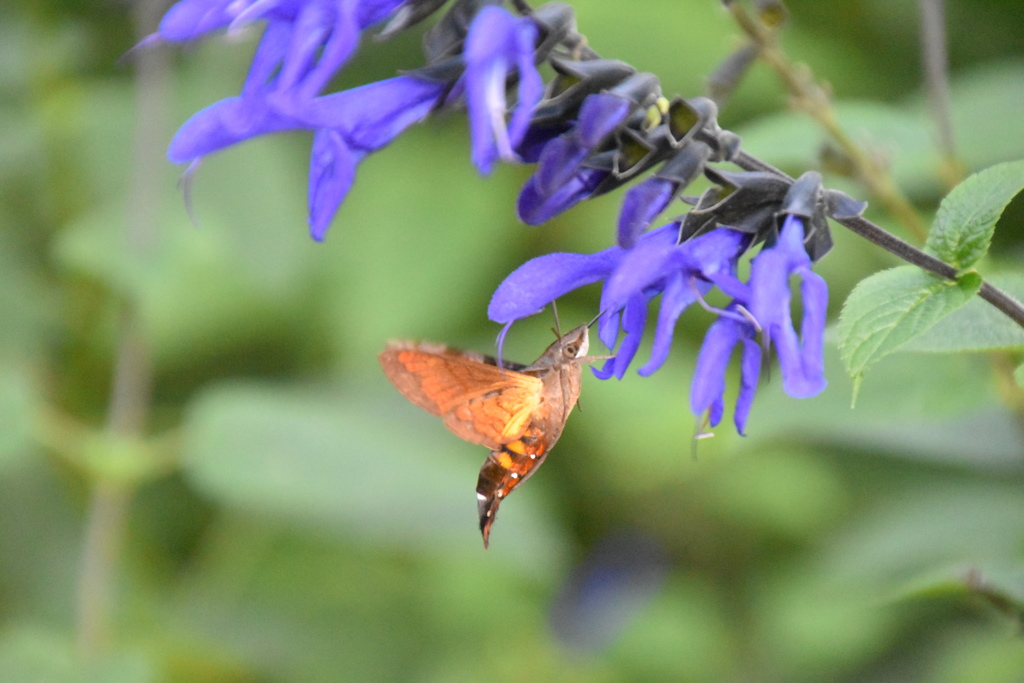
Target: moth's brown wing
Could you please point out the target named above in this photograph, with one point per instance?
(480, 402)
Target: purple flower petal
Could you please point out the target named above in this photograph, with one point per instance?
(608, 327)
(634, 319)
(710, 257)
(535, 207)
(558, 163)
(225, 123)
(708, 389)
(305, 43)
(750, 373)
(362, 121)
(348, 126)
(373, 115)
(682, 272)
(643, 266)
(332, 169)
(191, 19)
(560, 159)
(323, 38)
(498, 42)
(539, 281)
(640, 206)
(679, 293)
(599, 116)
(800, 359)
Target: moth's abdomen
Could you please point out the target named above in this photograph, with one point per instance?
(504, 469)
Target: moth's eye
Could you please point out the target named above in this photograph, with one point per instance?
(571, 350)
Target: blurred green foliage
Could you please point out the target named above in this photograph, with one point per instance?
(310, 525)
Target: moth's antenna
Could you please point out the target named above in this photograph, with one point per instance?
(558, 326)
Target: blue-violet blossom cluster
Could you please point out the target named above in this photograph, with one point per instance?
(595, 126)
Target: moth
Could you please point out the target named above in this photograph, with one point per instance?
(517, 411)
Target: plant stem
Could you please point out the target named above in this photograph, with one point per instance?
(131, 384)
(110, 498)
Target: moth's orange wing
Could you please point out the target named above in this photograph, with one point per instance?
(480, 402)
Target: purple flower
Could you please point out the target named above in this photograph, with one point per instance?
(766, 310)
(645, 201)
(498, 45)
(683, 273)
(800, 359)
(305, 42)
(535, 206)
(347, 126)
(302, 47)
(561, 158)
(641, 204)
(561, 180)
(536, 283)
(708, 389)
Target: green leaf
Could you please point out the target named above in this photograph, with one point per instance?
(890, 308)
(978, 326)
(967, 216)
(370, 466)
(1001, 587)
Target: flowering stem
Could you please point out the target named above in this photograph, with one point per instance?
(894, 245)
(813, 99)
(130, 388)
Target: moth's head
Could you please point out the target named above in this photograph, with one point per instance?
(575, 343)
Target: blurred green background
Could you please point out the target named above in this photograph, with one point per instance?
(285, 515)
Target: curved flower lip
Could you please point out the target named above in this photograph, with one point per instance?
(633, 320)
(599, 116)
(535, 207)
(801, 358)
(191, 19)
(347, 125)
(708, 388)
(536, 283)
(373, 115)
(680, 291)
(225, 123)
(369, 117)
(305, 42)
(332, 170)
(639, 207)
(497, 43)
